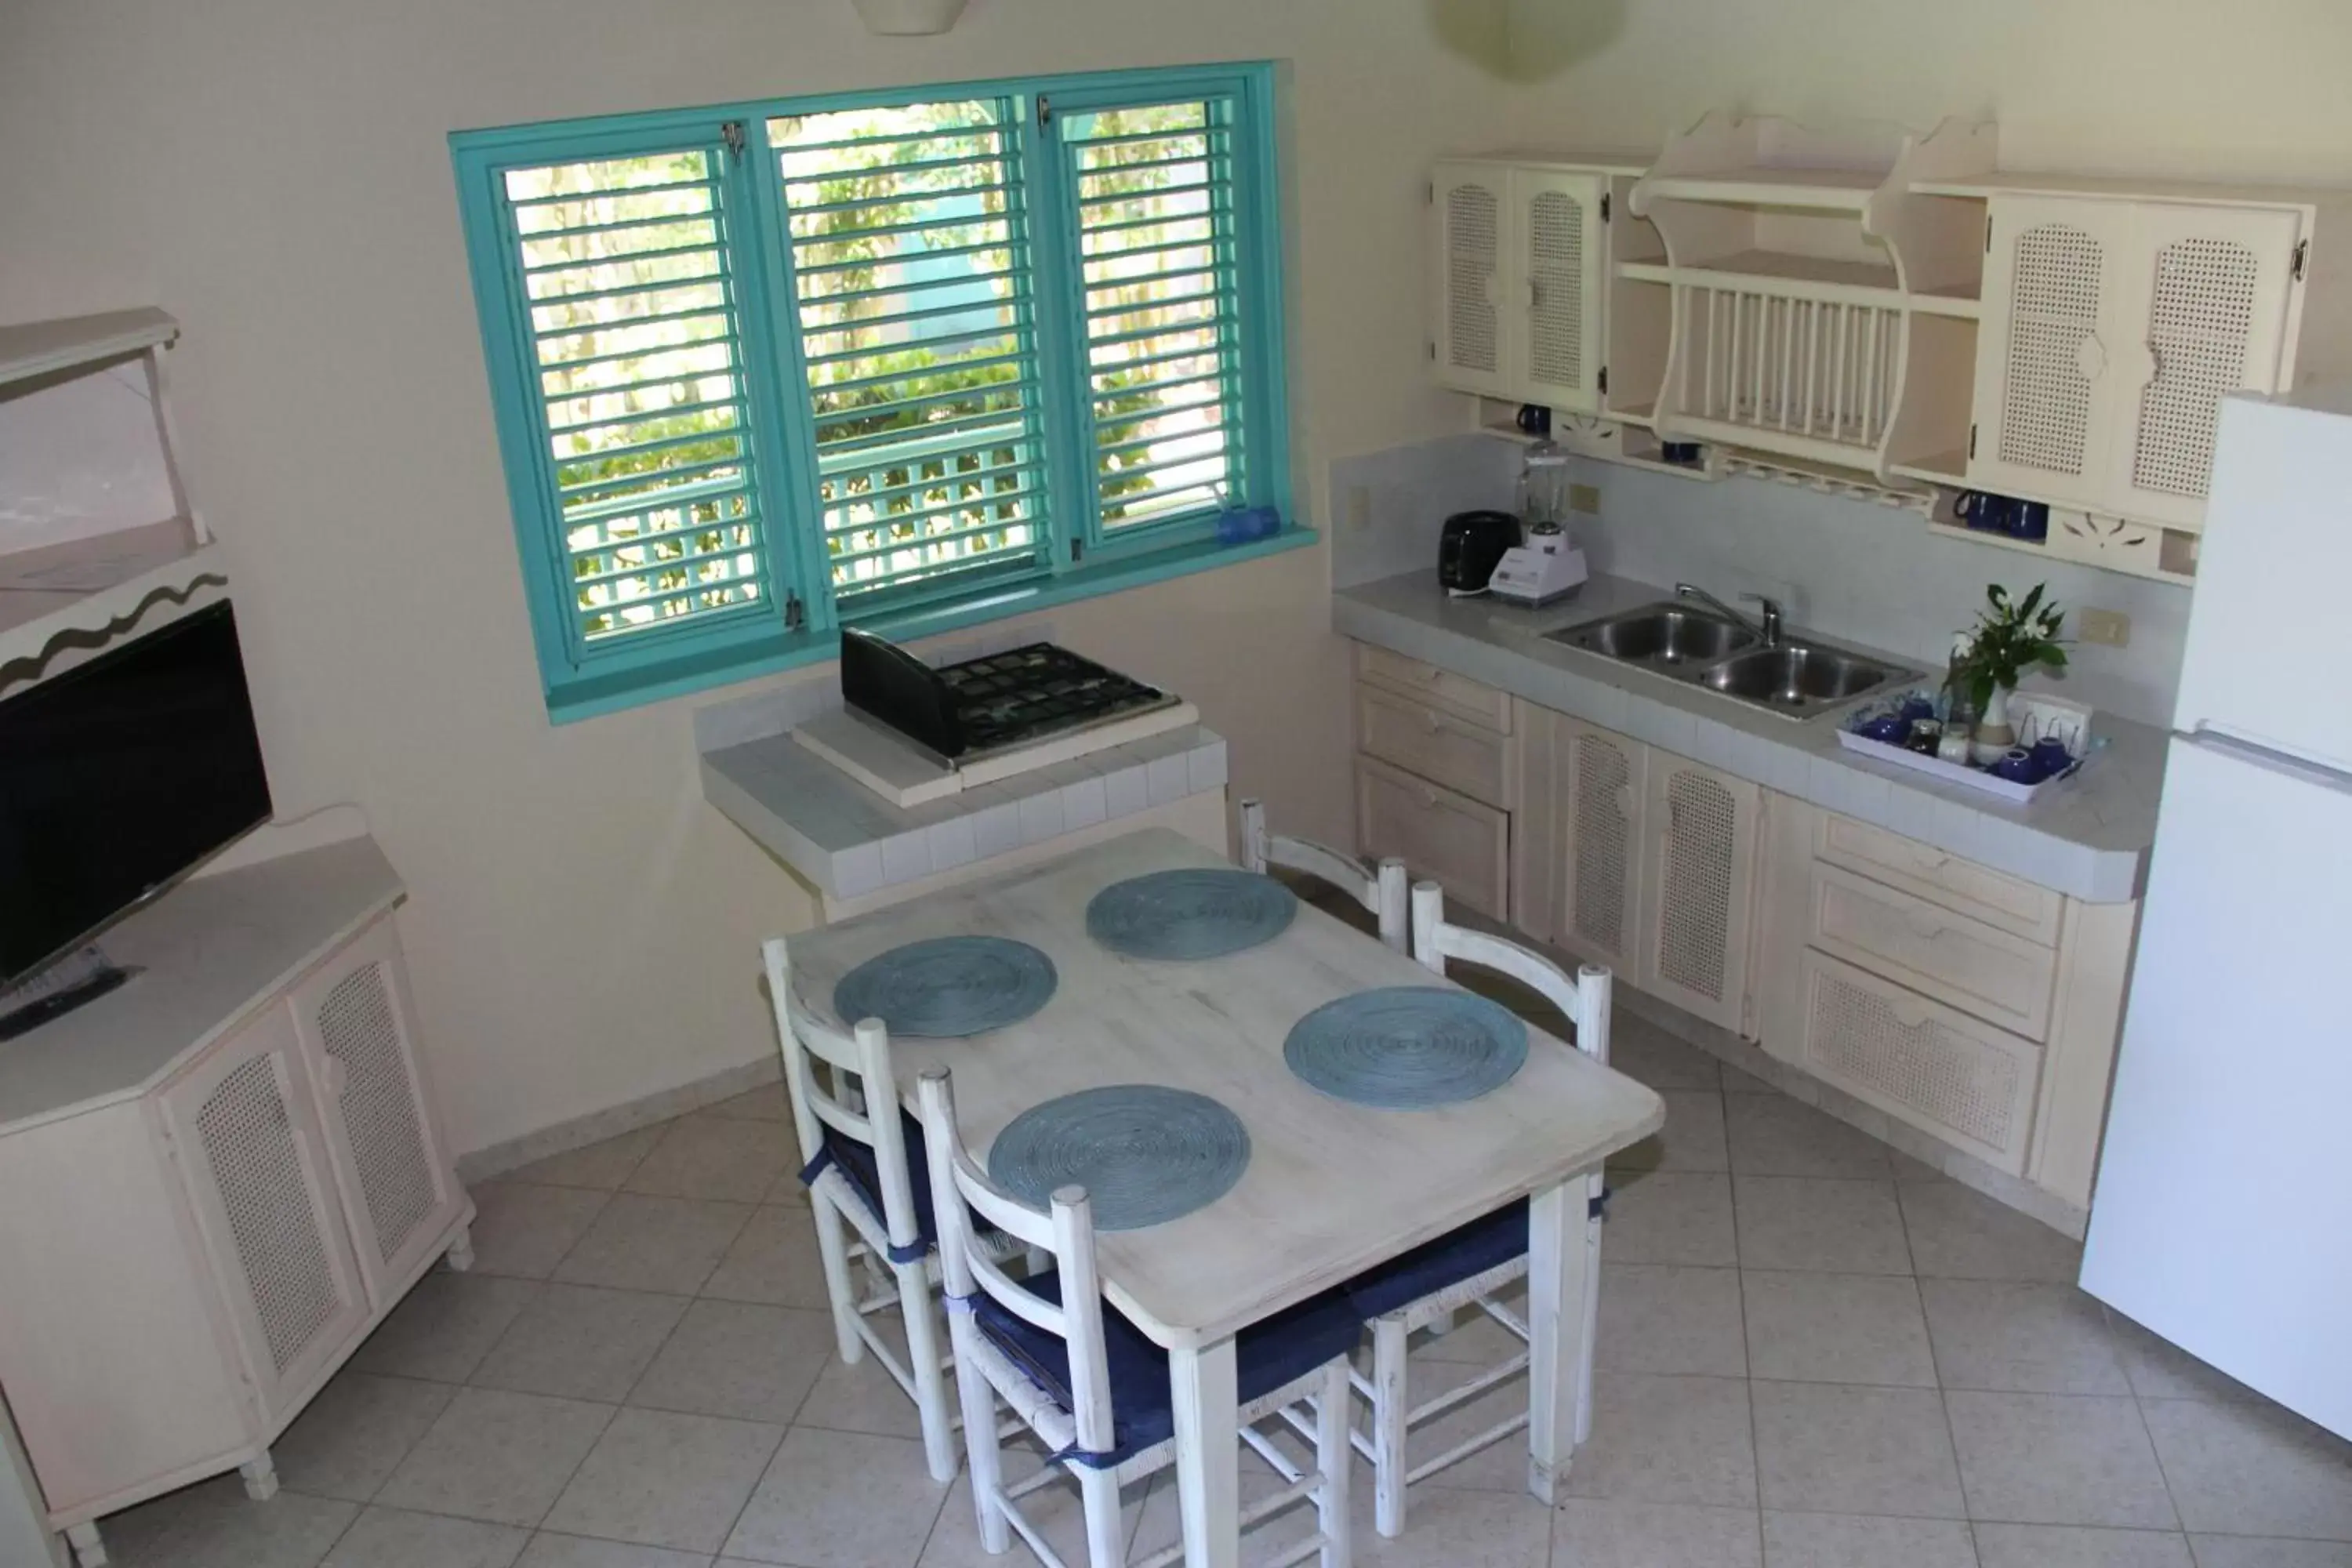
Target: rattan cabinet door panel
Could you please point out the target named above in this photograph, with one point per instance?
(1701, 832)
(398, 1193)
(244, 1127)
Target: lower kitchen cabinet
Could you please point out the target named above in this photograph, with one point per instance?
(1968, 1004)
(1440, 835)
(1700, 836)
(1961, 1001)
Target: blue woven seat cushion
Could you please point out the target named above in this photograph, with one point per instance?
(1458, 1255)
(1267, 1356)
(857, 1162)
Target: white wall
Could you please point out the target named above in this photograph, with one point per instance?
(274, 173)
(582, 929)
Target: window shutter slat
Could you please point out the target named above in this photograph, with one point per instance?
(908, 228)
(630, 324)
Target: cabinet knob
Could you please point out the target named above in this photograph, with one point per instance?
(1428, 799)
(1910, 1014)
(336, 1076)
(1626, 802)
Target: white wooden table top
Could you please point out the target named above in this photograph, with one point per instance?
(1333, 1188)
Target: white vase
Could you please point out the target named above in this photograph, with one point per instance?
(1995, 734)
(908, 18)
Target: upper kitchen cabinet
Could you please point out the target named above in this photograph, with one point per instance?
(2114, 327)
(1522, 267)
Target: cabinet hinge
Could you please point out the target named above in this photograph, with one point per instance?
(796, 613)
(1972, 443)
(1604, 380)
(731, 132)
(2302, 257)
(1044, 111)
(1605, 207)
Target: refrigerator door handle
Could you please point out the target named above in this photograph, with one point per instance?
(2211, 737)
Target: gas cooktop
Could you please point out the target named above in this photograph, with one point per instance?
(960, 713)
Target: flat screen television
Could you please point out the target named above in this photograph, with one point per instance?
(118, 778)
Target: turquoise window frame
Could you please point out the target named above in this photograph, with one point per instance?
(794, 620)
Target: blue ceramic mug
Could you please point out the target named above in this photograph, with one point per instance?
(1890, 729)
(1987, 513)
(2019, 766)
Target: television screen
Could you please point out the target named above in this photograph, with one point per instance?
(117, 777)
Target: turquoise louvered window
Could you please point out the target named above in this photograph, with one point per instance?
(899, 359)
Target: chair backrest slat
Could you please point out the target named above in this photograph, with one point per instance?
(1584, 1001)
(956, 1180)
(1379, 888)
(865, 1052)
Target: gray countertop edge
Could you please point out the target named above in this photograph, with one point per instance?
(850, 843)
(2089, 839)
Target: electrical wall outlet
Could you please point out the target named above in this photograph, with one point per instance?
(1585, 499)
(2108, 628)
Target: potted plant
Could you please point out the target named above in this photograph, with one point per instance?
(2010, 637)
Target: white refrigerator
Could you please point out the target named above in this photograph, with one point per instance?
(2222, 1218)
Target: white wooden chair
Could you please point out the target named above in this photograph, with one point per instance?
(1094, 1389)
(867, 1170)
(1380, 888)
(1471, 1266)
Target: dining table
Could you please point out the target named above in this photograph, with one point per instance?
(1331, 1188)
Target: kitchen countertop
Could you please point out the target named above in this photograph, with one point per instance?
(2088, 837)
(850, 842)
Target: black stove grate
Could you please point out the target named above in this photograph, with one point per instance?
(1029, 693)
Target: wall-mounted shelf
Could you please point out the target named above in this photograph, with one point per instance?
(1797, 261)
(95, 534)
(34, 349)
(1764, 186)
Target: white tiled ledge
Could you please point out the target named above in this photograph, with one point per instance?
(2089, 838)
(851, 843)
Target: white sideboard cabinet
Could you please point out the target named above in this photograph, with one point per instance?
(213, 1182)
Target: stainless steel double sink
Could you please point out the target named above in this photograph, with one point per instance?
(1795, 678)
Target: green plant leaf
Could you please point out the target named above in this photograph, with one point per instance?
(2054, 657)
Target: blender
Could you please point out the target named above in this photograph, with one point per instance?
(1546, 567)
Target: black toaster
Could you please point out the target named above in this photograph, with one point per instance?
(1472, 546)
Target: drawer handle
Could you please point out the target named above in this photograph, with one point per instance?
(1907, 1014)
(1428, 798)
(1626, 802)
(1926, 928)
(1429, 672)
(1436, 725)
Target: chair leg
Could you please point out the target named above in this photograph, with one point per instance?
(833, 1247)
(1390, 1406)
(1335, 1456)
(921, 1318)
(1105, 1524)
(980, 1442)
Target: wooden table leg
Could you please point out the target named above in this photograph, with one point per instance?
(1208, 1454)
(1558, 1264)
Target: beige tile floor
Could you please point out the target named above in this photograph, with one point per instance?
(1813, 1354)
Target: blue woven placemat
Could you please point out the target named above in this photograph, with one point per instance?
(1407, 1047)
(1145, 1153)
(1190, 914)
(948, 988)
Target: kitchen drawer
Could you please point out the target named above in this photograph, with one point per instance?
(1942, 878)
(1436, 743)
(1954, 1076)
(1439, 834)
(2000, 977)
(1456, 693)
